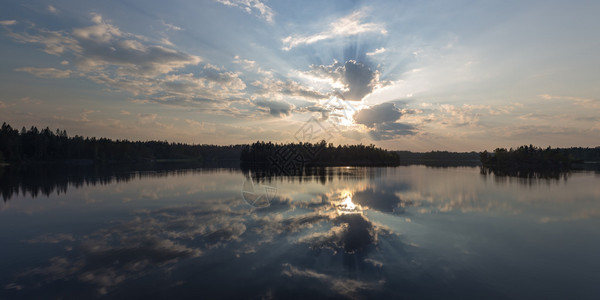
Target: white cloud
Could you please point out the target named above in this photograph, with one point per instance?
(347, 26)
(56, 42)
(377, 51)
(8, 22)
(52, 9)
(252, 7)
(46, 72)
(171, 26)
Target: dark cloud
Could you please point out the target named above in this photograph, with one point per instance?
(381, 201)
(390, 131)
(382, 113)
(353, 233)
(356, 77)
(381, 120)
(324, 112)
(276, 108)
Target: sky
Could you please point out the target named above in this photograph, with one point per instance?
(403, 75)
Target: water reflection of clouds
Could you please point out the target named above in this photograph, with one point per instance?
(154, 240)
(350, 288)
(215, 240)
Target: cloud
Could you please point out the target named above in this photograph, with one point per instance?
(227, 80)
(171, 26)
(356, 79)
(8, 22)
(5, 105)
(276, 224)
(127, 62)
(46, 72)
(276, 108)
(104, 47)
(534, 116)
(131, 249)
(209, 84)
(274, 88)
(587, 102)
(251, 65)
(448, 115)
(55, 42)
(52, 9)
(51, 239)
(381, 121)
(349, 288)
(382, 113)
(347, 26)
(252, 7)
(390, 131)
(378, 200)
(377, 51)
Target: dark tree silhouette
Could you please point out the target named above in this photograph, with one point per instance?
(33, 145)
(319, 154)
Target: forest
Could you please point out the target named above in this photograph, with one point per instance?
(34, 145)
(45, 145)
(319, 154)
(536, 158)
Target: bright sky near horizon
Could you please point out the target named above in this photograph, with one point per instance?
(403, 75)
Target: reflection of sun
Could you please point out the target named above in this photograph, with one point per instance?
(346, 205)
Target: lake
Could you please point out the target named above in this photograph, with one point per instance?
(411, 232)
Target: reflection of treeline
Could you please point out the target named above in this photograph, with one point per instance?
(46, 145)
(323, 175)
(530, 175)
(319, 154)
(48, 179)
(439, 158)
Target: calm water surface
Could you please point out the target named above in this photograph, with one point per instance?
(405, 232)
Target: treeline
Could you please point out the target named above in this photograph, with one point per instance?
(29, 145)
(580, 154)
(319, 154)
(528, 158)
